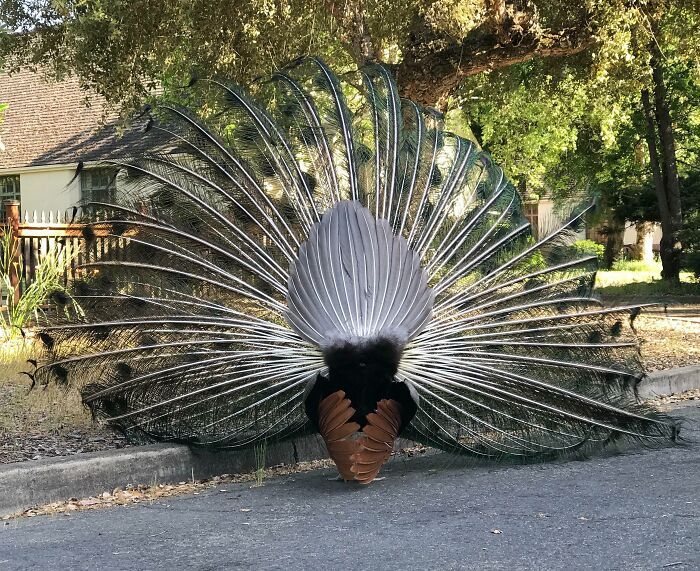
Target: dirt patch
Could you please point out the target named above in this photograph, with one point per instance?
(45, 422)
(669, 338)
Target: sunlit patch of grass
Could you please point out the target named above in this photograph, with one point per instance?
(644, 284)
(624, 277)
(637, 266)
(16, 348)
(625, 274)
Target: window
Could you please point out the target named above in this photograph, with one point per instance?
(531, 213)
(9, 187)
(98, 185)
(9, 190)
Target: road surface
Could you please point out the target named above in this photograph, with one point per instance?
(638, 510)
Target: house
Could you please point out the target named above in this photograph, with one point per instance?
(48, 127)
(642, 240)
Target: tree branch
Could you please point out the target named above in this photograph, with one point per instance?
(510, 34)
(354, 32)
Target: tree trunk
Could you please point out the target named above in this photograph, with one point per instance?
(614, 241)
(644, 247)
(671, 248)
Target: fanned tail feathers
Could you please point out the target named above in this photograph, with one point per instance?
(319, 209)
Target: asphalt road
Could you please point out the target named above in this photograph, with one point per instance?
(638, 510)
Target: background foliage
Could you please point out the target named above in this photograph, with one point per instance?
(551, 88)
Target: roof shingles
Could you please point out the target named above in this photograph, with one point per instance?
(49, 123)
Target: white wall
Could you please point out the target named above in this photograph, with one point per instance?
(630, 236)
(550, 218)
(48, 190)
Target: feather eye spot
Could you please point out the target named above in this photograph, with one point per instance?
(165, 199)
(435, 177)
(595, 337)
(89, 233)
(81, 288)
(100, 332)
(309, 181)
(121, 227)
(634, 314)
(616, 329)
(61, 374)
(47, 340)
(267, 168)
(59, 297)
(124, 370)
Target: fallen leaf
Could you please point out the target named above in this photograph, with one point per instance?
(88, 502)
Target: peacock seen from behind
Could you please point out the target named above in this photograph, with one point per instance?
(317, 254)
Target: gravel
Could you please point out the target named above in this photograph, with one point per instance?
(669, 339)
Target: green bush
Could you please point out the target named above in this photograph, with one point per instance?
(624, 265)
(21, 310)
(588, 248)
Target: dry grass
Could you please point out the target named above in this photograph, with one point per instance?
(46, 421)
(46, 409)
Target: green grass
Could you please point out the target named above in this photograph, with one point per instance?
(637, 266)
(638, 279)
(27, 309)
(622, 278)
(260, 456)
(646, 283)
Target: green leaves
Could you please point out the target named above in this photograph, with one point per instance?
(573, 126)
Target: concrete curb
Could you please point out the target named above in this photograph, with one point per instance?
(36, 482)
(670, 381)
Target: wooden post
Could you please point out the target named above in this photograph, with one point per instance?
(12, 217)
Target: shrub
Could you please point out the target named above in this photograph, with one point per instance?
(691, 262)
(20, 310)
(588, 248)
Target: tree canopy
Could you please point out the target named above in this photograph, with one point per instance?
(120, 47)
(555, 90)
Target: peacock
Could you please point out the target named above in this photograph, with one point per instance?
(315, 254)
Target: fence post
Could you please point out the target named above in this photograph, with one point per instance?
(12, 218)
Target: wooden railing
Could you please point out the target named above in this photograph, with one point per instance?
(38, 235)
